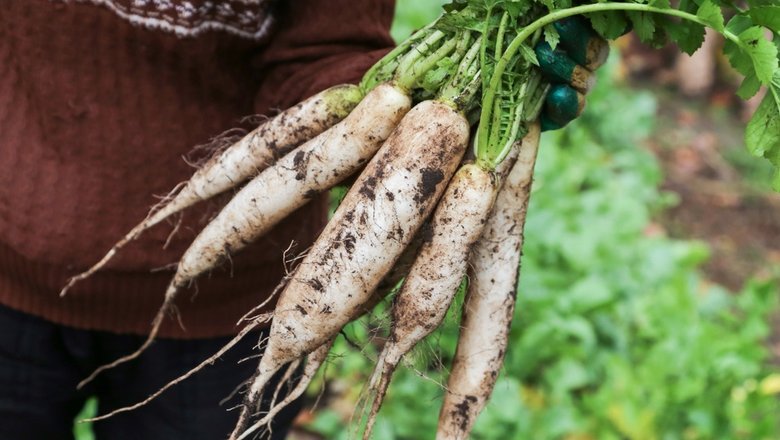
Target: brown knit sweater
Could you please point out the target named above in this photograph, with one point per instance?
(99, 101)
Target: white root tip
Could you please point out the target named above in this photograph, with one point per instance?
(277, 408)
(167, 306)
(242, 421)
(286, 379)
(313, 363)
(210, 360)
(130, 236)
(252, 397)
(158, 319)
(259, 383)
(380, 380)
(152, 219)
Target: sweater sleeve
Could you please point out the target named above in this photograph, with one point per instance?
(318, 44)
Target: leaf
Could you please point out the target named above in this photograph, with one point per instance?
(753, 54)
(549, 3)
(739, 23)
(517, 9)
(749, 87)
(529, 55)
(761, 51)
(662, 4)
(711, 14)
(757, 3)
(768, 16)
(687, 6)
(644, 26)
(660, 39)
(609, 25)
(738, 58)
(770, 384)
(687, 35)
(551, 36)
(762, 135)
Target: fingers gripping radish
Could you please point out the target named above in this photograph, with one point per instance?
(437, 272)
(374, 223)
(490, 300)
(246, 158)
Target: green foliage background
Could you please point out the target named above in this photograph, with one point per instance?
(617, 335)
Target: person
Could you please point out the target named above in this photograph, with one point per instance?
(99, 99)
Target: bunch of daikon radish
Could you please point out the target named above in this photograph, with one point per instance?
(422, 211)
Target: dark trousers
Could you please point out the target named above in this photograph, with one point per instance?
(41, 363)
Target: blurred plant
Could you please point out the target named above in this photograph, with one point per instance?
(617, 336)
(411, 15)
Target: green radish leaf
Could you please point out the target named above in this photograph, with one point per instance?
(529, 55)
(660, 39)
(550, 4)
(663, 4)
(517, 9)
(562, 4)
(551, 36)
(738, 58)
(749, 87)
(711, 14)
(739, 24)
(688, 36)
(768, 16)
(761, 51)
(644, 26)
(688, 5)
(609, 25)
(759, 3)
(754, 55)
(762, 135)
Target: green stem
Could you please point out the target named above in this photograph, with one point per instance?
(419, 69)
(496, 124)
(500, 37)
(514, 46)
(371, 77)
(528, 108)
(464, 44)
(457, 91)
(483, 50)
(417, 52)
(534, 103)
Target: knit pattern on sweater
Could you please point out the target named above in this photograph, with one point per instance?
(188, 18)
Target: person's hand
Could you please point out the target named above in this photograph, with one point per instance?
(569, 69)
